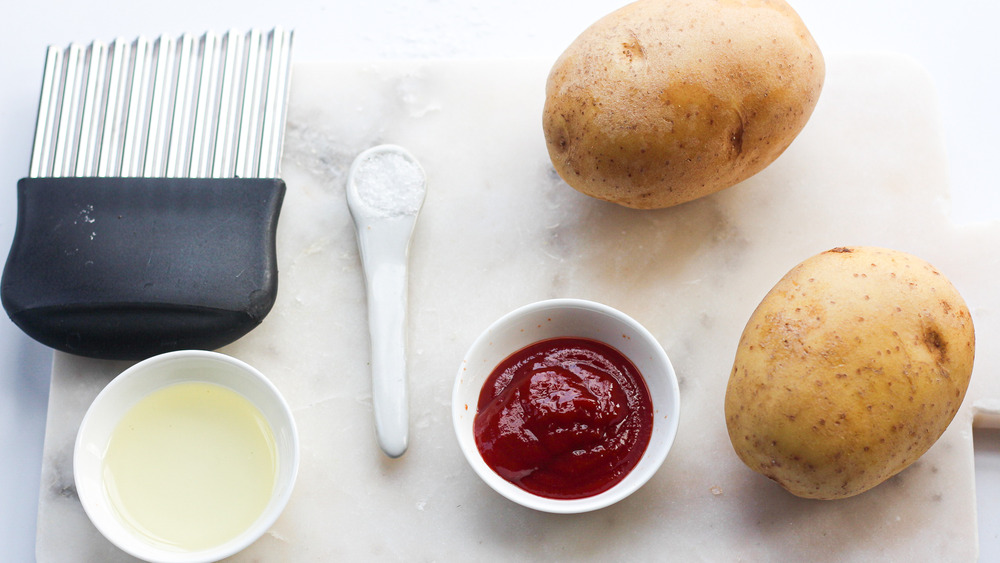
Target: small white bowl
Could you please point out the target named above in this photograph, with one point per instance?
(568, 318)
(137, 382)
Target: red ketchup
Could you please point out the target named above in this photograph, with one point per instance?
(564, 418)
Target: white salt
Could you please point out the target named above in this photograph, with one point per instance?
(389, 184)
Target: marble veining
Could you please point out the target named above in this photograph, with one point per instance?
(499, 229)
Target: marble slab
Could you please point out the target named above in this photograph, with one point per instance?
(499, 229)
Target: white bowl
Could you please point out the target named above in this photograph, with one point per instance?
(568, 318)
(138, 382)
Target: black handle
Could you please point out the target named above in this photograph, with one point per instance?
(126, 268)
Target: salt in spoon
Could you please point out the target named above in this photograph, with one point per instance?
(385, 191)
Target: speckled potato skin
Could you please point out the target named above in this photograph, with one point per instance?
(665, 101)
(851, 367)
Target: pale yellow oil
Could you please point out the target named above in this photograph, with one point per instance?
(191, 465)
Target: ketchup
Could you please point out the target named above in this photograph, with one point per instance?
(564, 418)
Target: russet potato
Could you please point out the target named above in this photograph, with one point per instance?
(851, 368)
(665, 101)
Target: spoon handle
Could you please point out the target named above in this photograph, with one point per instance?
(386, 289)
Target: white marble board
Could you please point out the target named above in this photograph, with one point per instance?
(499, 230)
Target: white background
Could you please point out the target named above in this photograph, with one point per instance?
(956, 42)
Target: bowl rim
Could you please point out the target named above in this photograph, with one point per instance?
(110, 526)
(652, 458)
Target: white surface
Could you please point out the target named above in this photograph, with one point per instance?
(958, 45)
(499, 230)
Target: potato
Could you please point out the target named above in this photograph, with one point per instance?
(849, 370)
(663, 101)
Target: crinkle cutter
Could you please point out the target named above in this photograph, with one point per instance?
(147, 222)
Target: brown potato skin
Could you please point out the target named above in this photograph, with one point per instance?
(851, 367)
(665, 101)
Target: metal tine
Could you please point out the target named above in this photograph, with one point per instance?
(179, 149)
(206, 116)
(247, 145)
(137, 117)
(173, 108)
(48, 104)
(280, 117)
(109, 161)
(274, 112)
(229, 107)
(158, 135)
(69, 113)
(270, 98)
(92, 114)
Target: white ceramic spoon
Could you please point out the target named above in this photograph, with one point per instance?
(385, 191)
